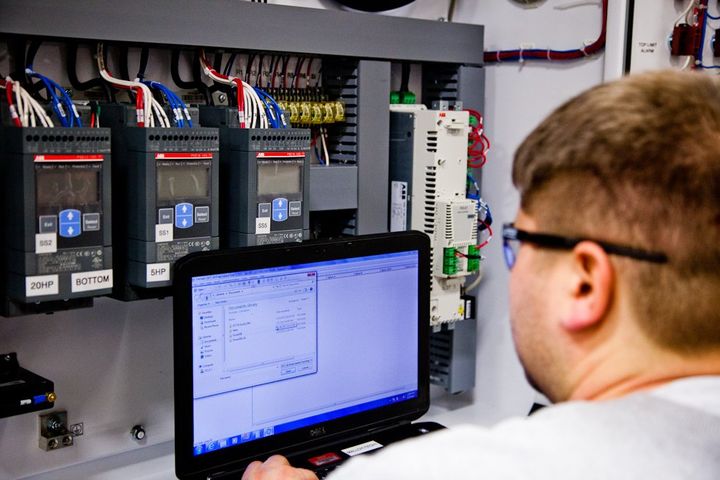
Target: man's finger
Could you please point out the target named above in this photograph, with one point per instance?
(276, 461)
(249, 471)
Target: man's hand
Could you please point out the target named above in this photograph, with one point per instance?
(276, 468)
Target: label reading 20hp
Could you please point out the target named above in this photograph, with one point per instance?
(41, 285)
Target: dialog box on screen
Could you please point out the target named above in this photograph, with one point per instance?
(268, 330)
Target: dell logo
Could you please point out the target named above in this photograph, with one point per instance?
(317, 432)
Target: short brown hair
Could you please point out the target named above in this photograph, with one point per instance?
(637, 162)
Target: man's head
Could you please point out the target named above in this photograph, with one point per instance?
(635, 163)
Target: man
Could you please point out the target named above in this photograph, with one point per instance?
(615, 298)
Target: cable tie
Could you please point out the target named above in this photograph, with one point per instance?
(548, 55)
(521, 59)
(497, 56)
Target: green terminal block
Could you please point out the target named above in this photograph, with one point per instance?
(449, 261)
(473, 263)
(408, 98)
(394, 98)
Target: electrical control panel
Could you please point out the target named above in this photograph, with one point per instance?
(264, 182)
(428, 170)
(57, 234)
(166, 203)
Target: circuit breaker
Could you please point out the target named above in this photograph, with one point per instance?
(56, 244)
(428, 170)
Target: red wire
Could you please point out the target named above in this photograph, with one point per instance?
(239, 86)
(8, 94)
(139, 105)
(490, 232)
(298, 69)
(596, 46)
(240, 101)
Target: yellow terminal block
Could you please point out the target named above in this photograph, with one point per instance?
(317, 113)
(339, 111)
(305, 113)
(329, 114)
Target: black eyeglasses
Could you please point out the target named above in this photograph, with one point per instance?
(513, 237)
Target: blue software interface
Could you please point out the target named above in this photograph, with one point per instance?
(282, 348)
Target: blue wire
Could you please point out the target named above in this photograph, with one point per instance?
(702, 38)
(70, 118)
(176, 103)
(276, 116)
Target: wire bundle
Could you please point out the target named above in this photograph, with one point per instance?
(180, 111)
(701, 15)
(479, 143)
(25, 111)
(146, 107)
(62, 104)
(246, 95)
(548, 54)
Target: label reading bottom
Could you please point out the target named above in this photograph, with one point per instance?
(88, 281)
(157, 272)
(362, 448)
(41, 285)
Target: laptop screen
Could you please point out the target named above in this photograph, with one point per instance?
(290, 346)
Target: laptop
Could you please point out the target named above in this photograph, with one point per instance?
(317, 351)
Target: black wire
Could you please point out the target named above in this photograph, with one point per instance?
(197, 79)
(34, 87)
(251, 59)
(72, 51)
(405, 83)
(451, 11)
(17, 49)
(193, 85)
(144, 57)
(230, 63)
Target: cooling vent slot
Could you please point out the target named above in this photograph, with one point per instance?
(448, 222)
(430, 189)
(341, 81)
(431, 141)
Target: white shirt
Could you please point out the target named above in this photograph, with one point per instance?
(672, 432)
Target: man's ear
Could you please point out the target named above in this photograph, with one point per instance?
(591, 286)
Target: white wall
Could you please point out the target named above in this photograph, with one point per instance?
(112, 365)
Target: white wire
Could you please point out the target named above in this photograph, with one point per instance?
(685, 12)
(148, 117)
(323, 143)
(39, 110)
(28, 109)
(687, 62)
